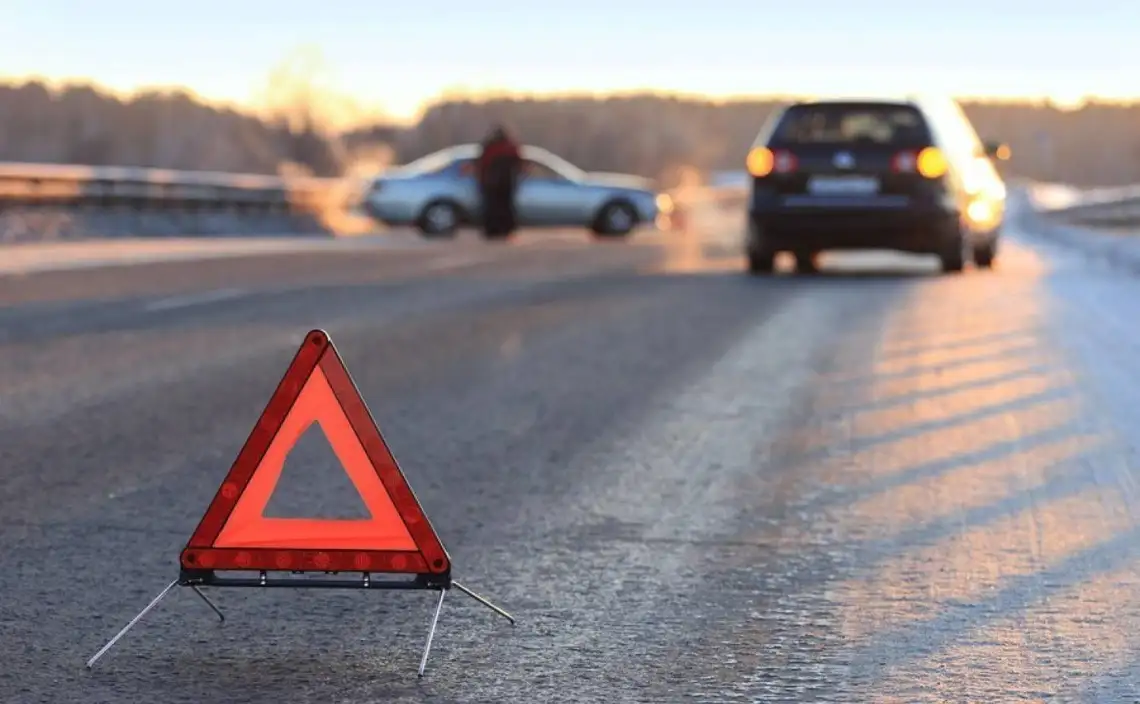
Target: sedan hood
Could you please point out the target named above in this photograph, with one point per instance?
(396, 173)
(621, 181)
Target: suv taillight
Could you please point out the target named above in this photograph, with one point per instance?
(904, 162)
(928, 163)
(763, 161)
(785, 161)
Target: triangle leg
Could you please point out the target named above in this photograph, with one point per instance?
(129, 626)
(483, 601)
(211, 604)
(431, 632)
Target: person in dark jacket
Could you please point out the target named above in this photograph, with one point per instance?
(498, 171)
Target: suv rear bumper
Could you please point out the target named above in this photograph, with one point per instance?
(917, 230)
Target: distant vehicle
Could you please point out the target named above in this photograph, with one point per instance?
(908, 175)
(438, 195)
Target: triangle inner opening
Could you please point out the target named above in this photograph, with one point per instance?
(313, 483)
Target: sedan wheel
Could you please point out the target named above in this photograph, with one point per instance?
(439, 220)
(616, 220)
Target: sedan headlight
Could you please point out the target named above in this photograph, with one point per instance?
(664, 203)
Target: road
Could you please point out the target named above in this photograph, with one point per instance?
(875, 484)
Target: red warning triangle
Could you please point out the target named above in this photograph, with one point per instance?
(235, 535)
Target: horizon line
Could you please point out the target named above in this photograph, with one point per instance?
(363, 115)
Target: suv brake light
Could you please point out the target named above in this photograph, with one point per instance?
(904, 162)
(928, 163)
(786, 162)
(763, 161)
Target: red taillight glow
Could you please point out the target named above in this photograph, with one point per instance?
(784, 162)
(929, 162)
(904, 162)
(763, 161)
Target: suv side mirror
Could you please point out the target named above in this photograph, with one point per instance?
(997, 150)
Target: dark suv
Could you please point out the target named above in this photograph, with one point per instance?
(909, 176)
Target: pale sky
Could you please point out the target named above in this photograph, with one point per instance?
(397, 55)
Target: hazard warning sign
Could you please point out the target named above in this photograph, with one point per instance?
(235, 535)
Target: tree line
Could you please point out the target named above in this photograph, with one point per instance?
(83, 125)
(652, 135)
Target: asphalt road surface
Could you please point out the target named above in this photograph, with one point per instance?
(874, 484)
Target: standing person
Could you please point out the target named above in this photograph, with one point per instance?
(497, 169)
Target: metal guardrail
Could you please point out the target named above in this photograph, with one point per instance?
(65, 185)
(25, 184)
(144, 189)
(1100, 207)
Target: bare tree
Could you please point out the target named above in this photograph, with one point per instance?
(297, 126)
(299, 102)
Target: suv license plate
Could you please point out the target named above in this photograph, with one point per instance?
(847, 186)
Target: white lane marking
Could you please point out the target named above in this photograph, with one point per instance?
(225, 294)
(38, 257)
(456, 262)
(194, 299)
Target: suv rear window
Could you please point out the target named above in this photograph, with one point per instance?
(852, 124)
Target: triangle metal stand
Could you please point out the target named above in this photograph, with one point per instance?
(197, 580)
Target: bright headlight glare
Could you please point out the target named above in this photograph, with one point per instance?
(979, 211)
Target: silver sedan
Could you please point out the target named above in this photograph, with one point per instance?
(438, 194)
